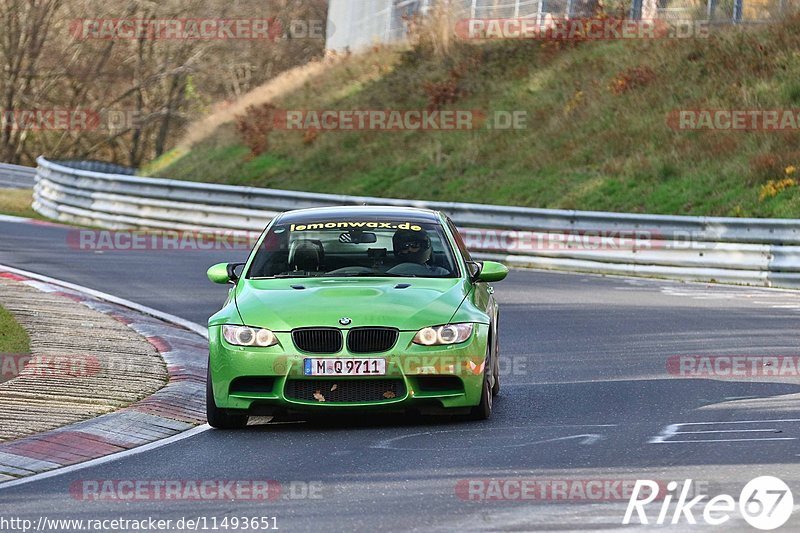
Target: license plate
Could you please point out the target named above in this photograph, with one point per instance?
(344, 367)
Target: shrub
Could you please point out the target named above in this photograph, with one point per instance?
(254, 127)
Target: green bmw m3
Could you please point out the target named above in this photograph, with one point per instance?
(354, 309)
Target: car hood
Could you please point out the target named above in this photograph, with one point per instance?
(282, 305)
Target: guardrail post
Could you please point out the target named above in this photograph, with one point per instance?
(737, 11)
(389, 13)
(636, 9)
(711, 7)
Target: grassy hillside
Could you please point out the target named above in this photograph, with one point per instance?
(597, 136)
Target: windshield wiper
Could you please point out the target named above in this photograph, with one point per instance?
(281, 276)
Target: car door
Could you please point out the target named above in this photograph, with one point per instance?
(482, 294)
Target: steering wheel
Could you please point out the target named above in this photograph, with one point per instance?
(409, 269)
(350, 270)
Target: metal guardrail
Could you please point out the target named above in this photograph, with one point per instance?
(762, 252)
(98, 166)
(16, 177)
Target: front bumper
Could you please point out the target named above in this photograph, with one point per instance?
(271, 380)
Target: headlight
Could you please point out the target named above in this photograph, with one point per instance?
(246, 336)
(438, 335)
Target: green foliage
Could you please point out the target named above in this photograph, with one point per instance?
(13, 339)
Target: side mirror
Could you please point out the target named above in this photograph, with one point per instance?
(491, 271)
(223, 273)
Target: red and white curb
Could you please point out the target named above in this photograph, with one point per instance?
(174, 409)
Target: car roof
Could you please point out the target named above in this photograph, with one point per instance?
(316, 214)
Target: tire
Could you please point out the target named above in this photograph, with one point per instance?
(496, 372)
(219, 418)
(483, 410)
(496, 359)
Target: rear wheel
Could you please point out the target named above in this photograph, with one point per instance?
(219, 418)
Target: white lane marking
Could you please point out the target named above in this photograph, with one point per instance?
(669, 431)
(764, 297)
(107, 459)
(674, 429)
(725, 440)
(16, 220)
(587, 438)
(770, 430)
(765, 421)
(196, 328)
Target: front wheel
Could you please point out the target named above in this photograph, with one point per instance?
(219, 418)
(496, 358)
(483, 410)
(496, 373)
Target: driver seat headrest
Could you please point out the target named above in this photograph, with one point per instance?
(305, 255)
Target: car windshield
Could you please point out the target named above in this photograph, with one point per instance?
(354, 248)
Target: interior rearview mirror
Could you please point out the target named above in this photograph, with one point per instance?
(358, 237)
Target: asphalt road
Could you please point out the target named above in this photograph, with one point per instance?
(586, 395)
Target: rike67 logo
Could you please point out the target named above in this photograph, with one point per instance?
(765, 503)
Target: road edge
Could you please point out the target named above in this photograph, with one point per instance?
(172, 413)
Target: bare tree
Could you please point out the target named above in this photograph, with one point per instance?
(27, 25)
(156, 85)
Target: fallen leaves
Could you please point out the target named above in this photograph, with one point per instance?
(389, 395)
(318, 396)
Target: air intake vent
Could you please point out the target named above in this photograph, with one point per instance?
(348, 390)
(318, 340)
(371, 340)
(252, 384)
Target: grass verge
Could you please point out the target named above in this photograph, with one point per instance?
(13, 341)
(17, 202)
